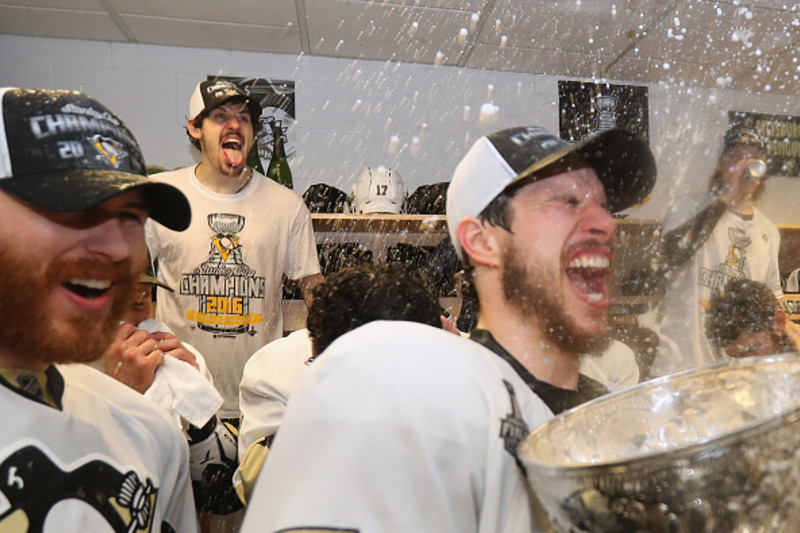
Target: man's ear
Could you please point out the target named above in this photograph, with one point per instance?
(478, 241)
(193, 131)
(779, 322)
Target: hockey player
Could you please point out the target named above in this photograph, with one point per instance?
(246, 233)
(709, 239)
(403, 427)
(745, 319)
(185, 390)
(347, 299)
(80, 451)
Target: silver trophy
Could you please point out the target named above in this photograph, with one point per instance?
(606, 112)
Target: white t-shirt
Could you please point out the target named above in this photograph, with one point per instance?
(616, 367)
(400, 427)
(270, 377)
(736, 248)
(107, 458)
(226, 270)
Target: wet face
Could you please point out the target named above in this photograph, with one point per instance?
(226, 137)
(556, 264)
(752, 343)
(67, 278)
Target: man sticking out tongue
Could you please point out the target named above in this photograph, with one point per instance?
(247, 234)
(232, 149)
(222, 125)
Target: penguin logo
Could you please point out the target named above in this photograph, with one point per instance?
(33, 484)
(109, 150)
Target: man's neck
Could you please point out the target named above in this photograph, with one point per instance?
(221, 183)
(526, 342)
(9, 359)
(743, 208)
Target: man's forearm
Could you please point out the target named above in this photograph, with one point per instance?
(681, 243)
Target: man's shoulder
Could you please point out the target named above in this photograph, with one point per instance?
(684, 207)
(177, 174)
(410, 340)
(759, 218)
(392, 352)
(84, 384)
(276, 190)
(181, 178)
(294, 349)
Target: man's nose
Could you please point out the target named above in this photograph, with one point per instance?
(597, 220)
(113, 239)
(233, 123)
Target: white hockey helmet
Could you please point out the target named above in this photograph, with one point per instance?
(378, 190)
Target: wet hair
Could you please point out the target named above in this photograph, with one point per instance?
(197, 121)
(497, 213)
(744, 305)
(360, 294)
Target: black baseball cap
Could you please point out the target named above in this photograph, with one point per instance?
(64, 151)
(149, 279)
(738, 135)
(210, 94)
(623, 163)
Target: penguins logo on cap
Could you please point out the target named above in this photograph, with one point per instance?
(110, 149)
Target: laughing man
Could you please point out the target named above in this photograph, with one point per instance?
(404, 427)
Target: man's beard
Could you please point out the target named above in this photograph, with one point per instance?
(27, 328)
(528, 291)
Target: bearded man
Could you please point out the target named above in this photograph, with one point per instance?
(247, 233)
(80, 451)
(403, 427)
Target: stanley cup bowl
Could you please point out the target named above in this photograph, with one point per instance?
(710, 450)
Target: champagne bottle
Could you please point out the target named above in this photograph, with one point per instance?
(254, 161)
(279, 166)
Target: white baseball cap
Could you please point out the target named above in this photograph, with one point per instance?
(378, 190)
(623, 163)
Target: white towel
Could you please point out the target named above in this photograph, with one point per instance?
(180, 388)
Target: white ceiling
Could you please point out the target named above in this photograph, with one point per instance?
(738, 44)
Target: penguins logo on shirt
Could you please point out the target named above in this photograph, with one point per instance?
(734, 266)
(33, 484)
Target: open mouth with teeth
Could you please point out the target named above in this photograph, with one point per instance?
(589, 275)
(233, 149)
(90, 289)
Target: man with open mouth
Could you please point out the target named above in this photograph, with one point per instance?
(248, 232)
(538, 238)
(80, 451)
(403, 427)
